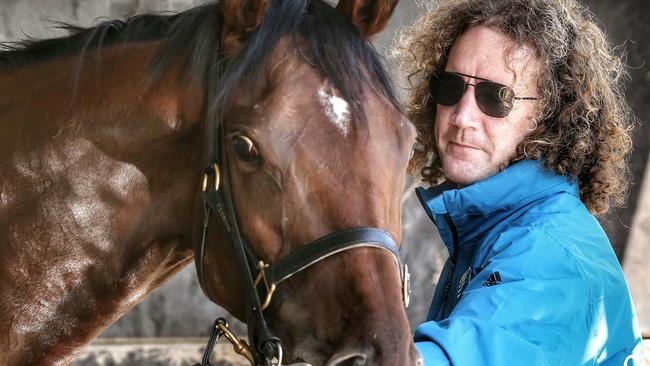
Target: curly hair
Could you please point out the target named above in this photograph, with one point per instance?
(583, 124)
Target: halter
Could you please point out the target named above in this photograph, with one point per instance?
(266, 348)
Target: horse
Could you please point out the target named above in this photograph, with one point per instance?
(108, 142)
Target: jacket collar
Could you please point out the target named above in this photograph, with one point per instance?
(477, 208)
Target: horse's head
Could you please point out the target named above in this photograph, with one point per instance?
(315, 144)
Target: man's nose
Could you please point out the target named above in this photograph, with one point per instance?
(466, 112)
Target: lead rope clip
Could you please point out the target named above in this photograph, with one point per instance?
(221, 328)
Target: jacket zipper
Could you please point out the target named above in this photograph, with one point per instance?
(454, 258)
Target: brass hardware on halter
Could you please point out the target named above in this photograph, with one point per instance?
(239, 345)
(270, 289)
(217, 178)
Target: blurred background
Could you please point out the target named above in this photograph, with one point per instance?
(177, 313)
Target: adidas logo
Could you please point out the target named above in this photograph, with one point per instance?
(494, 279)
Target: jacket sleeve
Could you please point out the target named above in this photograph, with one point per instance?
(535, 312)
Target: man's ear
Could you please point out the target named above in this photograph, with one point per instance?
(369, 16)
(240, 17)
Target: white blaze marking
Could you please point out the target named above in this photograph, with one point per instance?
(336, 109)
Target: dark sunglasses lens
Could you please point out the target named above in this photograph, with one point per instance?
(494, 99)
(446, 88)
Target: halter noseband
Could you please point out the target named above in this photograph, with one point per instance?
(266, 348)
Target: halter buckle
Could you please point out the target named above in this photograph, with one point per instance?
(270, 288)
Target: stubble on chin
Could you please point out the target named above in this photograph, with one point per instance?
(465, 172)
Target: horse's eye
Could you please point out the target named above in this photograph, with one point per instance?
(245, 148)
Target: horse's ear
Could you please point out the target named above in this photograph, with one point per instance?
(369, 16)
(240, 17)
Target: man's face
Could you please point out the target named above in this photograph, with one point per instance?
(472, 145)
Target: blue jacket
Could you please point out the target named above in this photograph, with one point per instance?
(534, 279)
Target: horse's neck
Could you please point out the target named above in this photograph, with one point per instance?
(96, 205)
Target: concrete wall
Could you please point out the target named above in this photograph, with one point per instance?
(638, 247)
(180, 309)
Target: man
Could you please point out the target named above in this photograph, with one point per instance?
(519, 106)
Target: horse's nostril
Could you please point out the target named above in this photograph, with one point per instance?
(350, 360)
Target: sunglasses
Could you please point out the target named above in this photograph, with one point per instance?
(493, 99)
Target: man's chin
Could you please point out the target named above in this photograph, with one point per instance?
(465, 173)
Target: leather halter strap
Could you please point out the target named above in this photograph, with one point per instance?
(334, 243)
(218, 198)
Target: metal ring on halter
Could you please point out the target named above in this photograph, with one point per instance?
(279, 353)
(278, 346)
(217, 178)
(406, 286)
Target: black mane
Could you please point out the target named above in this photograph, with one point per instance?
(334, 46)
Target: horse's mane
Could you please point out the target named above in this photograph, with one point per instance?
(327, 40)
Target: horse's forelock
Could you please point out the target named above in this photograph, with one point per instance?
(326, 39)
